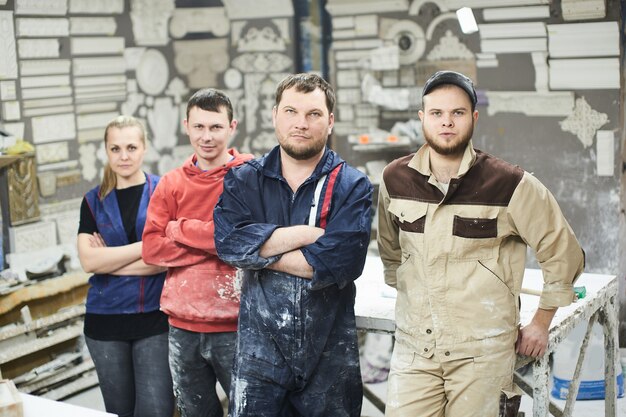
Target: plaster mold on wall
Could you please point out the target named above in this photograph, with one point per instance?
(261, 39)
(348, 79)
(41, 111)
(530, 103)
(514, 46)
(283, 28)
(98, 66)
(366, 25)
(233, 78)
(34, 236)
(45, 81)
(96, 6)
(92, 26)
(572, 40)
(15, 129)
(388, 98)
(516, 13)
(51, 210)
(358, 44)
(257, 9)
(46, 102)
(97, 45)
(53, 128)
(177, 90)
(44, 67)
(70, 177)
(7, 90)
(42, 27)
(132, 56)
(34, 7)
(87, 157)
(45, 92)
(96, 96)
(150, 19)
(262, 62)
(353, 55)
(390, 78)
(67, 225)
(409, 37)
(583, 9)
(52, 152)
(447, 5)
(351, 7)
(201, 60)
(11, 110)
(486, 60)
(38, 48)
(540, 61)
(94, 120)
(436, 21)
(583, 74)
(512, 30)
(449, 47)
(96, 107)
(163, 121)
(384, 58)
(199, 20)
(99, 80)
(8, 63)
(583, 122)
(605, 151)
(152, 72)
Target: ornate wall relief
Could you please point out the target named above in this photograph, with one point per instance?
(584, 122)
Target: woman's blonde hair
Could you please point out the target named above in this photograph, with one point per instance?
(109, 181)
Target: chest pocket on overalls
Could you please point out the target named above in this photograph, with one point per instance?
(475, 235)
(410, 217)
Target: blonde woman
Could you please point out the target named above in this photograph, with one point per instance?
(126, 334)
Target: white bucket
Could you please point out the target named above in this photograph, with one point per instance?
(592, 373)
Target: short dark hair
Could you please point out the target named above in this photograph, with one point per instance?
(305, 83)
(210, 99)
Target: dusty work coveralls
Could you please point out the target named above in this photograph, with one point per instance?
(297, 352)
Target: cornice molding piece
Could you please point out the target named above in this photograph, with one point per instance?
(583, 122)
(42, 111)
(262, 40)
(202, 60)
(512, 30)
(45, 81)
(31, 237)
(46, 102)
(447, 5)
(98, 66)
(542, 75)
(52, 152)
(257, 9)
(199, 20)
(96, 45)
(27, 27)
(94, 120)
(352, 7)
(8, 63)
(44, 67)
(92, 26)
(99, 80)
(95, 6)
(605, 151)
(53, 128)
(516, 13)
(7, 90)
(513, 46)
(46, 92)
(38, 48)
(537, 104)
(583, 9)
(34, 7)
(584, 74)
(572, 40)
(11, 110)
(436, 21)
(267, 62)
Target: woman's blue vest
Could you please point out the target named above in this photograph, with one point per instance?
(118, 294)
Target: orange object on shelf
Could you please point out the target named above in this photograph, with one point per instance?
(392, 138)
(364, 139)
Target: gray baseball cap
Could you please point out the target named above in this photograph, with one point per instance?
(454, 78)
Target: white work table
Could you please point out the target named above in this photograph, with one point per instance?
(39, 407)
(375, 304)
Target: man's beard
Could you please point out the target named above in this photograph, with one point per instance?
(455, 148)
(303, 153)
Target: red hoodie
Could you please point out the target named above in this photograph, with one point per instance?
(201, 293)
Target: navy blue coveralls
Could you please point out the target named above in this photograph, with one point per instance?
(297, 351)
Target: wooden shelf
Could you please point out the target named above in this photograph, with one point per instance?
(8, 160)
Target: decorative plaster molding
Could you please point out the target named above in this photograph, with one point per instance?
(510, 46)
(42, 111)
(163, 122)
(93, 26)
(202, 61)
(46, 92)
(7, 90)
(261, 40)
(98, 66)
(31, 237)
(34, 7)
(53, 128)
(96, 6)
(410, 39)
(47, 102)
(15, 129)
(26, 27)
(262, 62)
(152, 72)
(177, 90)
(38, 48)
(87, 157)
(605, 151)
(257, 9)
(8, 63)
(540, 61)
(534, 104)
(52, 152)
(44, 67)
(233, 78)
(512, 30)
(436, 21)
(571, 40)
(358, 44)
(583, 9)
(584, 74)
(97, 107)
(516, 13)
(45, 81)
(447, 5)
(584, 122)
(99, 80)
(449, 47)
(11, 110)
(199, 20)
(352, 7)
(97, 45)
(150, 19)
(95, 120)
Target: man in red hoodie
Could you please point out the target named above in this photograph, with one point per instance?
(201, 293)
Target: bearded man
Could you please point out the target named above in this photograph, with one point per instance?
(454, 225)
